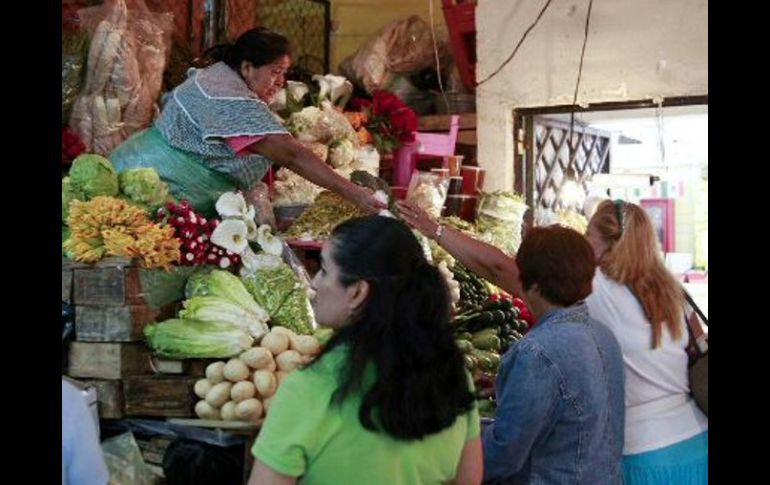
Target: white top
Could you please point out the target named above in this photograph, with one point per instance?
(659, 409)
(82, 461)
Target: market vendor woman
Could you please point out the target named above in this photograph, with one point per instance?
(216, 132)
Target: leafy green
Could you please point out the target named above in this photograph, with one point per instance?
(226, 285)
(279, 291)
(143, 187)
(295, 313)
(218, 309)
(270, 287)
(195, 339)
(68, 194)
(93, 175)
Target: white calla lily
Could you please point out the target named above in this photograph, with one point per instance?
(278, 103)
(341, 89)
(248, 262)
(231, 204)
(251, 229)
(324, 85)
(268, 242)
(252, 262)
(230, 234)
(296, 89)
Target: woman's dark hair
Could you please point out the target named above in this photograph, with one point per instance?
(560, 261)
(403, 329)
(260, 46)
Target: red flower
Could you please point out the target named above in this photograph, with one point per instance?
(391, 121)
(404, 123)
(71, 146)
(384, 102)
(359, 104)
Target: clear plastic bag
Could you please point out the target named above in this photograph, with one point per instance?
(428, 191)
(259, 196)
(124, 461)
(404, 46)
(74, 52)
(500, 219)
(124, 72)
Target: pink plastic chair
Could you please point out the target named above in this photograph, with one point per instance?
(425, 146)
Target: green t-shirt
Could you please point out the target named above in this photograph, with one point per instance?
(305, 436)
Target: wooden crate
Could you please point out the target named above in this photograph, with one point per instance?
(167, 396)
(187, 367)
(109, 395)
(112, 281)
(67, 273)
(102, 360)
(117, 323)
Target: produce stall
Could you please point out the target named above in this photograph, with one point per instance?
(181, 319)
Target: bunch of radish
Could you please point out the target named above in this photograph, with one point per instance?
(241, 388)
(194, 231)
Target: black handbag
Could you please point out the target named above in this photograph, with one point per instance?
(697, 351)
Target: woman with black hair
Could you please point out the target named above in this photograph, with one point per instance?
(389, 400)
(216, 126)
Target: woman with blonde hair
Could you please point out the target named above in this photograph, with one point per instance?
(634, 294)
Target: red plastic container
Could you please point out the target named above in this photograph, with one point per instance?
(460, 16)
(473, 179)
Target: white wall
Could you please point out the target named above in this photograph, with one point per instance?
(637, 49)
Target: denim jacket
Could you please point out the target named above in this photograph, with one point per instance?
(560, 405)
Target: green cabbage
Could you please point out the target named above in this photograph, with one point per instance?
(93, 175)
(68, 194)
(186, 339)
(143, 187)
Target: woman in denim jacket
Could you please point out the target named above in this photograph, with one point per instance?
(560, 409)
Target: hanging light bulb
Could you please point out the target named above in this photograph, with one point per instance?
(572, 194)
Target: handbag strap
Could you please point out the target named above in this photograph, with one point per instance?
(694, 325)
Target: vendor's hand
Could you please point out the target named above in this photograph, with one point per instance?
(417, 218)
(366, 200)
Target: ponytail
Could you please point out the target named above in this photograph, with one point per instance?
(402, 330)
(221, 53)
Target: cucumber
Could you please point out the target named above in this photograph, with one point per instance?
(486, 341)
(465, 346)
(464, 336)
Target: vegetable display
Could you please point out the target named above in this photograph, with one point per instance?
(93, 175)
(500, 218)
(318, 220)
(486, 325)
(187, 339)
(108, 226)
(279, 291)
(241, 388)
(143, 187)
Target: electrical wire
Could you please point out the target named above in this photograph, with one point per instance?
(516, 49)
(435, 51)
(580, 74)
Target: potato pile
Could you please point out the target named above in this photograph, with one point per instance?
(241, 388)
